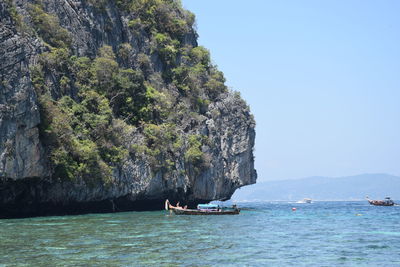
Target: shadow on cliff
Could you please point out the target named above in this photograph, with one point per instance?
(24, 198)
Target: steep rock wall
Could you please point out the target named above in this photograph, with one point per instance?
(29, 184)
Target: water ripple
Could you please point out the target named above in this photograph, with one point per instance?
(264, 234)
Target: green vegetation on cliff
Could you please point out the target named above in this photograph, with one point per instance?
(98, 100)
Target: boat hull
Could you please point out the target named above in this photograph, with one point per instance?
(201, 212)
(379, 203)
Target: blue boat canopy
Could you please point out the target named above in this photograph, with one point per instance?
(207, 206)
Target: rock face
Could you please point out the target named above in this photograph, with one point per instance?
(29, 185)
(20, 149)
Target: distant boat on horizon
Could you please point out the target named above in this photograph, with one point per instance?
(386, 202)
(305, 200)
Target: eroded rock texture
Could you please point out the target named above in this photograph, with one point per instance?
(28, 184)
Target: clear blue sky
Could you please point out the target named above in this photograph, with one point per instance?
(321, 77)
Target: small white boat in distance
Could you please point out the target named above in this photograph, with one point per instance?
(305, 200)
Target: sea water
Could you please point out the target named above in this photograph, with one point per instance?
(264, 234)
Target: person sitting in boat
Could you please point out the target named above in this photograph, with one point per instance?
(180, 207)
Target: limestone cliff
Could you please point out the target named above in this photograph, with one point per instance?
(111, 106)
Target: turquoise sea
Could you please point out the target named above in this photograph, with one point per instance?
(264, 234)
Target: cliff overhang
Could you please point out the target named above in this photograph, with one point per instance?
(113, 106)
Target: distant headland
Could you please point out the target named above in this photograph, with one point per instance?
(356, 187)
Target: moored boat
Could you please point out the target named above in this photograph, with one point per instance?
(202, 209)
(386, 202)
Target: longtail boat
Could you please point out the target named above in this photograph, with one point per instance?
(202, 209)
(386, 202)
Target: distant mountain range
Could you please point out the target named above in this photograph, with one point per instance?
(376, 186)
